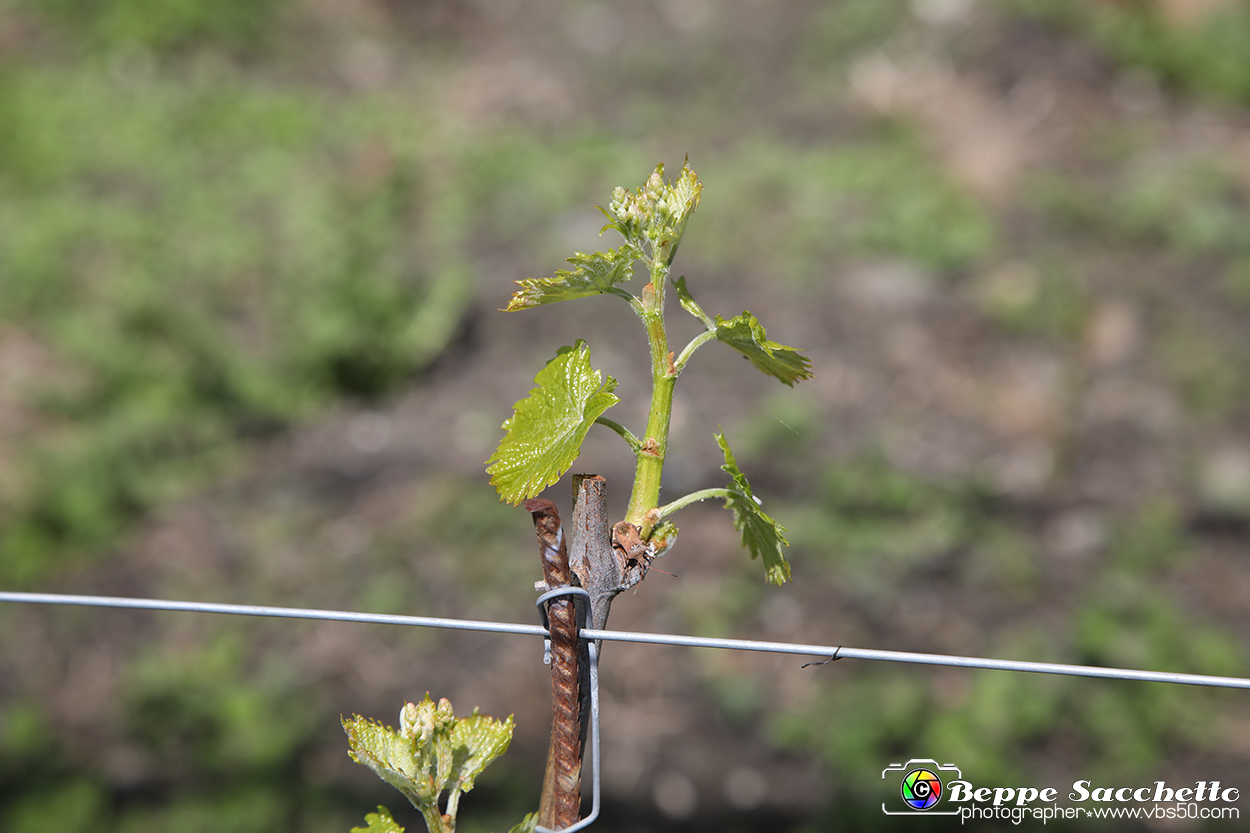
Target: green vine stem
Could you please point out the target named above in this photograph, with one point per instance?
(650, 456)
(626, 434)
(694, 497)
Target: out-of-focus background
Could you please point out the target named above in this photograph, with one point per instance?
(252, 254)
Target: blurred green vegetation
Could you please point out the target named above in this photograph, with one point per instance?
(161, 26)
(1201, 52)
(209, 248)
(1188, 208)
(209, 261)
(882, 197)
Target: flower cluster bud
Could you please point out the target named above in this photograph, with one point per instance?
(421, 721)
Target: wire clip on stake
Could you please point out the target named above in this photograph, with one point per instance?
(552, 595)
(594, 696)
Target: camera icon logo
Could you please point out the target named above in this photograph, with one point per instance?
(922, 786)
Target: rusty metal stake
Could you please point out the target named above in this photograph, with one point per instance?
(560, 805)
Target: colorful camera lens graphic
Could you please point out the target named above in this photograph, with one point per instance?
(921, 789)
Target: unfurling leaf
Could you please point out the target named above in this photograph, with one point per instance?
(394, 758)
(477, 740)
(432, 752)
(745, 334)
(595, 274)
(379, 822)
(545, 432)
(760, 533)
(663, 537)
(688, 303)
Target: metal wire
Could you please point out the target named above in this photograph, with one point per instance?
(830, 651)
(278, 612)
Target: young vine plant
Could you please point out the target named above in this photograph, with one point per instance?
(433, 751)
(546, 430)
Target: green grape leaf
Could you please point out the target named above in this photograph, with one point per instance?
(760, 533)
(478, 740)
(745, 334)
(379, 822)
(595, 274)
(527, 824)
(393, 758)
(545, 432)
(681, 198)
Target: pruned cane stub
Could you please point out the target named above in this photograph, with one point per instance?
(606, 561)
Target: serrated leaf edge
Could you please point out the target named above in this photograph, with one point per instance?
(581, 282)
(746, 509)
